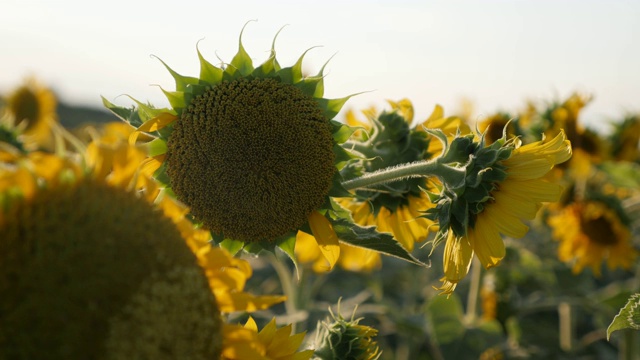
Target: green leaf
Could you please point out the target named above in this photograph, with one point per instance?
(628, 317)
(445, 316)
(369, 238)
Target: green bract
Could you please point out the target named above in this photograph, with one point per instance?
(476, 171)
(391, 142)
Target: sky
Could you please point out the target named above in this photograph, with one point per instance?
(497, 54)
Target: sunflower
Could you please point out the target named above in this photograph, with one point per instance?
(390, 140)
(504, 185)
(31, 108)
(493, 127)
(625, 139)
(591, 232)
(270, 343)
(346, 339)
(253, 151)
(94, 261)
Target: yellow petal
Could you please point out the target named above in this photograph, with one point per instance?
(268, 333)
(326, 238)
(251, 324)
(457, 257)
(486, 241)
(158, 122)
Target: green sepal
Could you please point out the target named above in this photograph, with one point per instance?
(293, 74)
(369, 238)
(320, 88)
(181, 81)
(308, 85)
(232, 246)
(129, 115)
(438, 134)
(242, 61)
(258, 246)
(266, 69)
(161, 174)
(209, 73)
(147, 112)
(288, 245)
(628, 317)
(332, 106)
(337, 190)
(276, 65)
(342, 156)
(341, 132)
(157, 147)
(337, 211)
(176, 98)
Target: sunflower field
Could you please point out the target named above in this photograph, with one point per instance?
(256, 219)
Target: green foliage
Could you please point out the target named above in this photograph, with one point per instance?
(628, 317)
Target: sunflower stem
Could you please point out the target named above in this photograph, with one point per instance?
(474, 291)
(446, 174)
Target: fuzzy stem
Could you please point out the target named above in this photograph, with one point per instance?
(445, 173)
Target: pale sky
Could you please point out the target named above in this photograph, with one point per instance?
(496, 53)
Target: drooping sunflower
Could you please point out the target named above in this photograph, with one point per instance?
(254, 152)
(590, 233)
(94, 262)
(504, 185)
(270, 343)
(390, 140)
(32, 109)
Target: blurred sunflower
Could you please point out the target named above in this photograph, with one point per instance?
(252, 151)
(493, 127)
(94, 261)
(504, 185)
(270, 343)
(31, 108)
(625, 139)
(394, 207)
(591, 232)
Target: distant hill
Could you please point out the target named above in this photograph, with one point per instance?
(72, 116)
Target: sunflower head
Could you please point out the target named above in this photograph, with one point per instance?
(625, 139)
(253, 151)
(494, 126)
(91, 269)
(31, 108)
(593, 231)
